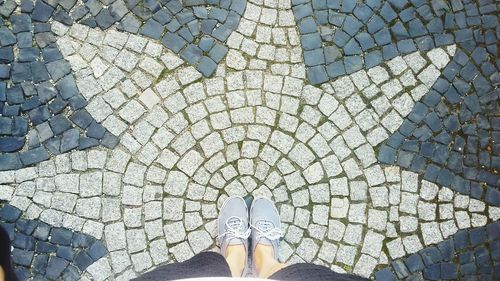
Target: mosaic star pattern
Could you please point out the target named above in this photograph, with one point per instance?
(461, 109)
(46, 252)
(362, 184)
(466, 255)
(42, 110)
(451, 138)
(344, 36)
(197, 30)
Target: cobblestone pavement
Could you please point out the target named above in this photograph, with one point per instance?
(374, 126)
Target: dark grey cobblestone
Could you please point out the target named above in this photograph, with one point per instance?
(43, 252)
(37, 90)
(455, 128)
(472, 254)
(181, 26)
(366, 33)
(450, 137)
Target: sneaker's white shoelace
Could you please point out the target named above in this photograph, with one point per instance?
(267, 230)
(235, 229)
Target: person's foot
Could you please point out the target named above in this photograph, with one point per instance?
(266, 229)
(233, 233)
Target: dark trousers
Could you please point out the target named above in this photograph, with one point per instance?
(211, 264)
(5, 259)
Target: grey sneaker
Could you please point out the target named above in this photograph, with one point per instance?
(233, 226)
(265, 224)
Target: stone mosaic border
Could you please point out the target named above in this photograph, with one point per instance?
(470, 254)
(460, 109)
(178, 122)
(42, 110)
(45, 252)
(343, 36)
(195, 29)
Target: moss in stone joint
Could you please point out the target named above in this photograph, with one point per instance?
(347, 268)
(164, 73)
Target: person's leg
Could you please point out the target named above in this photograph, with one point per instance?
(206, 264)
(236, 259)
(265, 263)
(307, 271)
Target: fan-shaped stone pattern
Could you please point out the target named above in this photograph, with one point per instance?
(452, 136)
(469, 254)
(42, 110)
(344, 36)
(195, 29)
(43, 252)
(198, 144)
